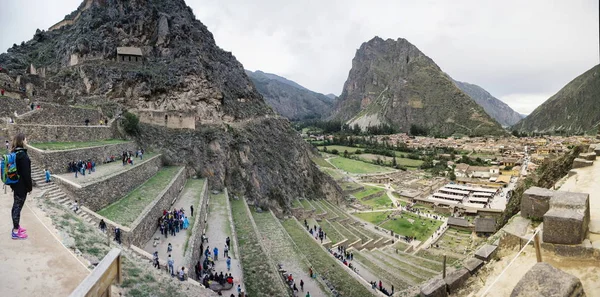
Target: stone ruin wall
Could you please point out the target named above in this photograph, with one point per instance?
(167, 119)
(197, 230)
(107, 191)
(61, 133)
(51, 114)
(57, 161)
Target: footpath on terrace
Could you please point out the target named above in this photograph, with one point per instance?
(39, 265)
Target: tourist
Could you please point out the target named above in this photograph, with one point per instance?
(118, 235)
(182, 274)
(191, 210)
(227, 241)
(47, 174)
(2, 91)
(102, 225)
(169, 247)
(239, 289)
(204, 238)
(295, 289)
(23, 186)
(302, 285)
(198, 270)
(216, 253)
(307, 294)
(105, 122)
(171, 264)
(186, 223)
(87, 122)
(75, 206)
(310, 272)
(7, 145)
(228, 263)
(226, 251)
(155, 259)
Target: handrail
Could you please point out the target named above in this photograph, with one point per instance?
(99, 282)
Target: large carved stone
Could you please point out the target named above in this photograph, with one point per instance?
(579, 163)
(588, 156)
(473, 264)
(435, 287)
(535, 203)
(545, 280)
(568, 218)
(456, 278)
(486, 252)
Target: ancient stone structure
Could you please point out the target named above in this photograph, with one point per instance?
(129, 54)
(435, 287)
(567, 221)
(455, 279)
(57, 161)
(486, 252)
(52, 114)
(169, 119)
(198, 229)
(588, 156)
(108, 190)
(535, 203)
(544, 280)
(579, 163)
(61, 133)
(473, 264)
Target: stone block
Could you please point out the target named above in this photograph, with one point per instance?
(486, 252)
(588, 156)
(567, 221)
(535, 203)
(544, 280)
(435, 287)
(455, 279)
(580, 163)
(597, 151)
(473, 264)
(572, 172)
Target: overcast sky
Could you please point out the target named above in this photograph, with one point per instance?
(522, 52)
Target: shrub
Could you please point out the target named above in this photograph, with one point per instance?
(131, 123)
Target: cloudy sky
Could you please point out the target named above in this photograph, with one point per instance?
(520, 51)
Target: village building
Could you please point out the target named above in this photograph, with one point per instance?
(129, 54)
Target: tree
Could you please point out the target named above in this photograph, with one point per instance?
(325, 149)
(345, 153)
(130, 123)
(452, 175)
(334, 151)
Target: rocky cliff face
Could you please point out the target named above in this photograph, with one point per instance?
(393, 82)
(495, 108)
(290, 99)
(574, 109)
(238, 142)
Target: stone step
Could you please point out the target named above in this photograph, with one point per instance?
(63, 200)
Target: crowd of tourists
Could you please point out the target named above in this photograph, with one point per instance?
(171, 222)
(318, 234)
(80, 167)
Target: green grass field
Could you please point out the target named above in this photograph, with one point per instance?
(335, 174)
(421, 228)
(369, 157)
(321, 162)
(382, 201)
(357, 167)
(324, 264)
(127, 209)
(369, 190)
(59, 146)
(373, 217)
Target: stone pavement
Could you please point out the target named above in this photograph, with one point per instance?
(218, 228)
(39, 265)
(104, 170)
(189, 195)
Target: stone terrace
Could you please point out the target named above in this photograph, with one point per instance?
(52, 114)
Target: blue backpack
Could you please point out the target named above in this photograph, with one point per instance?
(8, 169)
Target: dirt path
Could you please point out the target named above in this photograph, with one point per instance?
(40, 265)
(190, 195)
(218, 229)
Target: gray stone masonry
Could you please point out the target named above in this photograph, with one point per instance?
(473, 264)
(597, 151)
(51, 114)
(56, 133)
(535, 203)
(198, 229)
(108, 190)
(455, 279)
(57, 160)
(579, 163)
(544, 280)
(568, 219)
(588, 156)
(486, 252)
(435, 287)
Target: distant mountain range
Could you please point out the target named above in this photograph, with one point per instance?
(290, 99)
(574, 109)
(497, 109)
(392, 82)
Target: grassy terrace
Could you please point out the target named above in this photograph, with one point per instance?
(321, 162)
(436, 257)
(345, 232)
(399, 160)
(318, 208)
(349, 186)
(412, 270)
(403, 271)
(373, 217)
(59, 146)
(324, 264)
(381, 201)
(126, 210)
(306, 204)
(335, 174)
(421, 228)
(260, 278)
(296, 203)
(196, 186)
(387, 278)
(369, 190)
(333, 208)
(332, 234)
(358, 167)
(421, 261)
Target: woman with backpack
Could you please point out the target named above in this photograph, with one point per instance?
(23, 186)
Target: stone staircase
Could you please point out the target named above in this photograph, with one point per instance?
(54, 193)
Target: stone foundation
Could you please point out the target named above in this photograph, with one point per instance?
(435, 287)
(57, 161)
(579, 163)
(544, 280)
(486, 252)
(568, 219)
(535, 203)
(588, 156)
(195, 241)
(110, 189)
(455, 279)
(57, 133)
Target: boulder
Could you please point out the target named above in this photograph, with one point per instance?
(588, 156)
(435, 287)
(486, 252)
(473, 264)
(535, 203)
(544, 280)
(580, 163)
(455, 279)
(567, 221)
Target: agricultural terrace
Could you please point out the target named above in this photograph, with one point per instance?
(400, 156)
(321, 162)
(407, 223)
(60, 146)
(127, 209)
(373, 197)
(358, 167)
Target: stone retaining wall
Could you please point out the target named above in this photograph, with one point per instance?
(61, 133)
(51, 114)
(57, 160)
(147, 222)
(195, 240)
(108, 190)
(8, 107)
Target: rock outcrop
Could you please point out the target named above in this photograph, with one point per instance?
(544, 280)
(392, 82)
(290, 99)
(574, 109)
(237, 142)
(495, 108)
